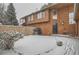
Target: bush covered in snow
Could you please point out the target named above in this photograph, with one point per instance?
(16, 35)
(7, 39)
(59, 43)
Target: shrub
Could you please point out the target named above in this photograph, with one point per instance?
(7, 39)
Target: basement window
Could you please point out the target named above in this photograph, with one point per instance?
(71, 18)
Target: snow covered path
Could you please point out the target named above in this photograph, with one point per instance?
(44, 45)
(35, 44)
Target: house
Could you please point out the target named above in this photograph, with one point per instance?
(56, 18)
(21, 21)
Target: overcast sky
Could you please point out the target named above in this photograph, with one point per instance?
(23, 9)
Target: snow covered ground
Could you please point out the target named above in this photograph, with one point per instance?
(44, 45)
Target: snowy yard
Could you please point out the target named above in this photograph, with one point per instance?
(44, 45)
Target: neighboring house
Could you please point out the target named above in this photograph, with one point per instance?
(54, 19)
(21, 21)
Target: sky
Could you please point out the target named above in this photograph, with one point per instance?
(23, 9)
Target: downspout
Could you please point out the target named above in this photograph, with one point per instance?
(75, 11)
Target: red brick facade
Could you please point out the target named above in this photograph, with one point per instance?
(46, 23)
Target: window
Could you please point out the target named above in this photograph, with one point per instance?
(54, 12)
(43, 14)
(55, 16)
(54, 19)
(40, 15)
(71, 18)
(30, 18)
(22, 21)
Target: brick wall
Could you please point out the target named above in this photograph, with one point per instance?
(46, 24)
(63, 15)
(22, 29)
(77, 28)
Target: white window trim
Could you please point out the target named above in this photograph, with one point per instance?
(71, 18)
(22, 21)
(55, 16)
(40, 15)
(30, 18)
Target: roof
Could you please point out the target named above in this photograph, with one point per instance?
(53, 5)
(48, 6)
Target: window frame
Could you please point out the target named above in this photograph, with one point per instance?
(40, 15)
(71, 18)
(30, 18)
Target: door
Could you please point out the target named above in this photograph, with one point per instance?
(55, 23)
(55, 26)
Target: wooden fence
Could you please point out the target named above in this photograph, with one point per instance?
(22, 29)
